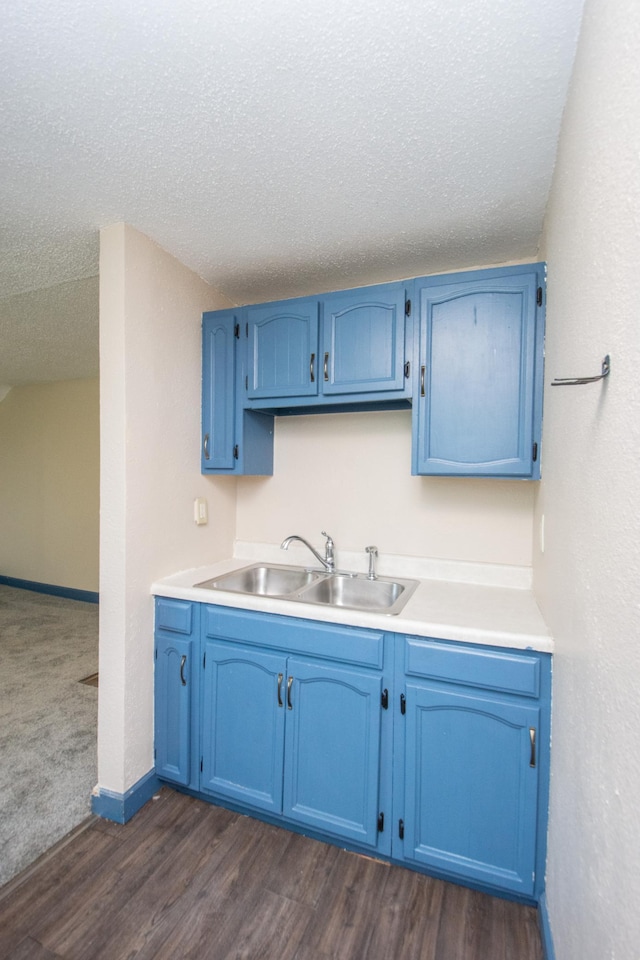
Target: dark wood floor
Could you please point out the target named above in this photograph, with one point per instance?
(185, 879)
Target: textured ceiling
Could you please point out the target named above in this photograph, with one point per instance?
(275, 148)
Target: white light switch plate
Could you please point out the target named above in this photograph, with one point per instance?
(200, 511)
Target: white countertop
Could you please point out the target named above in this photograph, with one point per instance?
(502, 616)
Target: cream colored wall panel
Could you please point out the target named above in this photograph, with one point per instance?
(150, 321)
(588, 578)
(350, 474)
(49, 483)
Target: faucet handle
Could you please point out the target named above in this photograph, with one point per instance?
(328, 551)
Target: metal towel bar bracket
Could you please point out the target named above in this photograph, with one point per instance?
(571, 381)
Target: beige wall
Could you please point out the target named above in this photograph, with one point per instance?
(588, 578)
(350, 474)
(150, 322)
(49, 483)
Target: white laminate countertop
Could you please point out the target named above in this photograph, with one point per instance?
(499, 616)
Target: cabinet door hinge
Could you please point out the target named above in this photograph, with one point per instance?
(407, 308)
(407, 369)
(384, 699)
(401, 829)
(403, 703)
(235, 452)
(534, 452)
(236, 331)
(380, 822)
(539, 296)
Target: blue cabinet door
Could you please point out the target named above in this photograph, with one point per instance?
(333, 750)
(282, 357)
(243, 724)
(173, 692)
(218, 391)
(471, 786)
(479, 374)
(364, 341)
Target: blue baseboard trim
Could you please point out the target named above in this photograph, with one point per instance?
(70, 593)
(120, 807)
(545, 929)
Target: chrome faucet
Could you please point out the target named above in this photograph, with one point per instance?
(328, 562)
(373, 553)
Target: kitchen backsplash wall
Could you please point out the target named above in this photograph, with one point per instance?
(350, 474)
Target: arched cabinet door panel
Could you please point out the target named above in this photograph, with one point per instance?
(243, 724)
(479, 374)
(471, 788)
(333, 750)
(282, 349)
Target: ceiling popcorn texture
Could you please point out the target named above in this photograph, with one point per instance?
(280, 148)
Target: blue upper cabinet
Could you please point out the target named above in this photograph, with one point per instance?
(364, 341)
(464, 350)
(218, 390)
(340, 349)
(282, 349)
(478, 376)
(234, 440)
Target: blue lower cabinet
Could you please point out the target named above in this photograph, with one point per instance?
(471, 786)
(430, 752)
(332, 750)
(292, 737)
(173, 707)
(243, 724)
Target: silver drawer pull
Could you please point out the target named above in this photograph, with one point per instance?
(183, 660)
(532, 740)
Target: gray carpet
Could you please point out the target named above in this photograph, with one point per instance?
(48, 721)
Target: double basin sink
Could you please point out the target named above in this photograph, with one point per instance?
(353, 591)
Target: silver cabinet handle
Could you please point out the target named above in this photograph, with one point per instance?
(289, 685)
(183, 660)
(532, 740)
(280, 679)
(206, 446)
(326, 366)
(312, 368)
(423, 370)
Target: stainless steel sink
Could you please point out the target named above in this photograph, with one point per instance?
(356, 591)
(303, 585)
(263, 580)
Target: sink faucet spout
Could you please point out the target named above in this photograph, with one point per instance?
(328, 561)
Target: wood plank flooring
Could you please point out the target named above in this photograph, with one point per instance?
(185, 880)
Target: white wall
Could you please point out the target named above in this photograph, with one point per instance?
(588, 579)
(350, 474)
(49, 483)
(150, 319)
